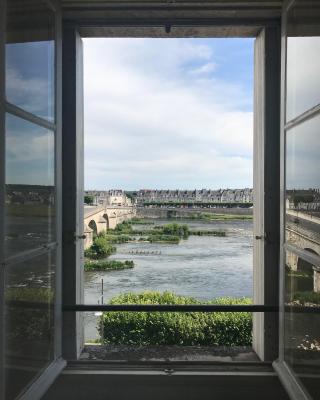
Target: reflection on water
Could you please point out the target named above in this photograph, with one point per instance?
(203, 267)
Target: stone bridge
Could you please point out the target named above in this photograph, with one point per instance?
(99, 219)
(303, 231)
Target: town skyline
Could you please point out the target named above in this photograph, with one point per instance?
(118, 196)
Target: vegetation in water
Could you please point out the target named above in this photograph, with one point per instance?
(114, 238)
(107, 265)
(181, 230)
(100, 248)
(169, 233)
(202, 216)
(123, 227)
(174, 328)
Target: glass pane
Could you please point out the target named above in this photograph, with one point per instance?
(303, 58)
(30, 57)
(302, 333)
(303, 186)
(29, 214)
(29, 316)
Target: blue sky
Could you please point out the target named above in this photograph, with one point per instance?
(168, 113)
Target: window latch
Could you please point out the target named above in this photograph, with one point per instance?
(80, 236)
(168, 371)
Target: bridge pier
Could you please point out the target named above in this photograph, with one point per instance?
(316, 279)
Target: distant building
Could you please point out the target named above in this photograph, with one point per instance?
(204, 195)
(113, 197)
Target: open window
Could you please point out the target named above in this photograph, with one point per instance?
(266, 185)
(42, 229)
(299, 357)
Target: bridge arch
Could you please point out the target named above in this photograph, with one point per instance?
(106, 217)
(92, 224)
(305, 267)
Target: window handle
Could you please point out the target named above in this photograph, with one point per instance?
(259, 237)
(80, 236)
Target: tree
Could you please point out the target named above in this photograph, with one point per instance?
(88, 199)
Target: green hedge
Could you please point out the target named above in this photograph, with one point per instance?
(173, 328)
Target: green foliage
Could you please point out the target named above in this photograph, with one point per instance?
(88, 199)
(100, 248)
(115, 238)
(307, 297)
(131, 195)
(107, 265)
(174, 328)
(176, 229)
(217, 217)
(124, 227)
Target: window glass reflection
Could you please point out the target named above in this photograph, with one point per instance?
(303, 58)
(29, 315)
(303, 185)
(302, 333)
(30, 57)
(29, 211)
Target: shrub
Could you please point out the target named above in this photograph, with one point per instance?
(174, 328)
(88, 199)
(100, 248)
(124, 227)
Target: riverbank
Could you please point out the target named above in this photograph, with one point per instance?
(186, 213)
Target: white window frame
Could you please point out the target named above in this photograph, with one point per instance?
(266, 170)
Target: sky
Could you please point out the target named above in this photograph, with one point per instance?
(160, 113)
(168, 113)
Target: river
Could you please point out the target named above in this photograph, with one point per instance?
(203, 267)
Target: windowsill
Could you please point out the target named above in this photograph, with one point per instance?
(171, 354)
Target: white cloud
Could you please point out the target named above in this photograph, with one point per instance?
(156, 115)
